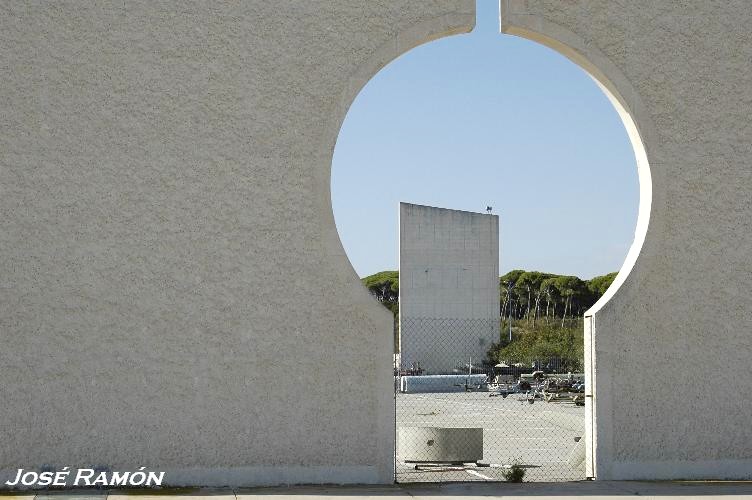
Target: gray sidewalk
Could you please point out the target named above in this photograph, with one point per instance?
(591, 490)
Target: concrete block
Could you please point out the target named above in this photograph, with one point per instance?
(440, 444)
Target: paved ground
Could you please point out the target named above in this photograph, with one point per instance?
(587, 489)
(513, 431)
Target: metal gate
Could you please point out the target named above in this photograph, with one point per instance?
(464, 419)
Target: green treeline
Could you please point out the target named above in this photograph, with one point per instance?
(535, 295)
(532, 296)
(385, 287)
(546, 313)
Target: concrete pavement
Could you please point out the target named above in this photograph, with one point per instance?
(589, 489)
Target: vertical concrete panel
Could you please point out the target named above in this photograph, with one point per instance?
(451, 314)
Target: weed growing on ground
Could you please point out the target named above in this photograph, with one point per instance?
(515, 473)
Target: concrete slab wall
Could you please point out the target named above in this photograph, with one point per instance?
(449, 286)
(679, 74)
(173, 292)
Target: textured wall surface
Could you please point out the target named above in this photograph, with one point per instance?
(166, 238)
(671, 348)
(449, 286)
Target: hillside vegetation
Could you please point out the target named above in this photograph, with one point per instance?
(546, 313)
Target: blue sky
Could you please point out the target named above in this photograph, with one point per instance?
(488, 119)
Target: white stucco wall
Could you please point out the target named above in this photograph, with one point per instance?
(669, 345)
(449, 286)
(173, 291)
(166, 235)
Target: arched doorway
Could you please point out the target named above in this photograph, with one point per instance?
(639, 233)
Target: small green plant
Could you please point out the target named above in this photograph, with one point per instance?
(515, 473)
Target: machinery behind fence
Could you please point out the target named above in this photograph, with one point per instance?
(463, 417)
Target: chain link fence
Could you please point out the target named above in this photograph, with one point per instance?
(461, 418)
